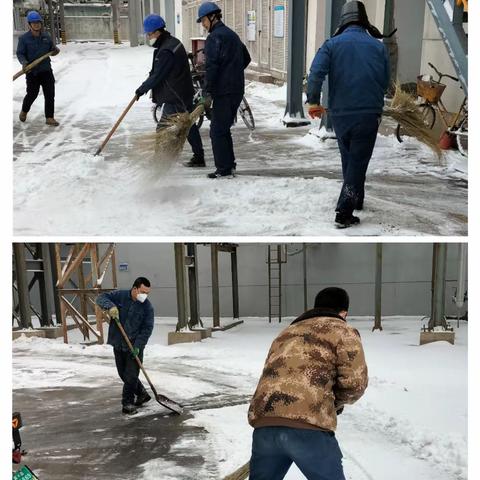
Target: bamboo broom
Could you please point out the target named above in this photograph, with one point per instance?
(405, 111)
(240, 474)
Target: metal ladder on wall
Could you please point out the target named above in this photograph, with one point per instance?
(274, 262)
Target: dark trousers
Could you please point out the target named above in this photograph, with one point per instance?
(46, 80)
(128, 371)
(194, 138)
(315, 453)
(356, 136)
(224, 110)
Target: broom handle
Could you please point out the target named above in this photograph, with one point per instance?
(112, 131)
(32, 65)
(130, 346)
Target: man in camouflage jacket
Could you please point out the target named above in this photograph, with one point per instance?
(314, 368)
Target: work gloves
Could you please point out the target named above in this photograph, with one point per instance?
(56, 51)
(316, 111)
(139, 93)
(114, 314)
(135, 352)
(206, 101)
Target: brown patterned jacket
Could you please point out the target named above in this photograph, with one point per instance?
(313, 368)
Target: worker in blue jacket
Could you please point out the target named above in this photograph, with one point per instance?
(32, 45)
(170, 81)
(357, 65)
(226, 59)
(135, 313)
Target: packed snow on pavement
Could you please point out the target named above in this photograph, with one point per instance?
(287, 184)
(411, 422)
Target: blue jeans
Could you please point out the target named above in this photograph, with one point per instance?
(356, 136)
(194, 138)
(128, 370)
(314, 452)
(224, 110)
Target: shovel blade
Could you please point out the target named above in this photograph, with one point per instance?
(170, 404)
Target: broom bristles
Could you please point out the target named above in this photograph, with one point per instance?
(405, 111)
(240, 474)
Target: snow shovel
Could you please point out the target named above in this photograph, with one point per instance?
(112, 131)
(32, 65)
(161, 399)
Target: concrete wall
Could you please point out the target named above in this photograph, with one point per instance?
(406, 277)
(434, 51)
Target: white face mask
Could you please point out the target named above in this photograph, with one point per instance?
(152, 41)
(141, 297)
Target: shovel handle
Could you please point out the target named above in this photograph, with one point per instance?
(112, 131)
(130, 346)
(32, 65)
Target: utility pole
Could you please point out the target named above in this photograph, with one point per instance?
(378, 288)
(63, 33)
(439, 267)
(333, 12)
(133, 22)
(51, 16)
(294, 114)
(116, 21)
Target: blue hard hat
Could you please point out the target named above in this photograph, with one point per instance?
(153, 22)
(207, 8)
(34, 17)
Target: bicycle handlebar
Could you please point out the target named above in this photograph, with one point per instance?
(441, 75)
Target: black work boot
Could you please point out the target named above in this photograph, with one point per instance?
(221, 175)
(195, 161)
(129, 409)
(343, 220)
(142, 399)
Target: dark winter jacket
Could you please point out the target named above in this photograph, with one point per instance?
(358, 69)
(313, 368)
(135, 317)
(170, 79)
(30, 48)
(226, 59)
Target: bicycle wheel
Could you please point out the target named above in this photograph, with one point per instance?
(246, 114)
(429, 116)
(462, 137)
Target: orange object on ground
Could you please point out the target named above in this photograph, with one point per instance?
(447, 141)
(316, 111)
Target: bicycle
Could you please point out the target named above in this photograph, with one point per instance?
(430, 93)
(198, 78)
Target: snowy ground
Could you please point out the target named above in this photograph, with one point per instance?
(411, 423)
(288, 180)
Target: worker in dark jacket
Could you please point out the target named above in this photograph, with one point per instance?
(357, 66)
(226, 59)
(134, 312)
(32, 45)
(170, 81)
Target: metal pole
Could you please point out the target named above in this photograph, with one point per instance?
(180, 279)
(294, 114)
(333, 11)
(305, 284)
(437, 318)
(51, 16)
(233, 257)
(132, 23)
(193, 286)
(279, 260)
(391, 43)
(54, 277)
(45, 320)
(22, 285)
(378, 288)
(269, 261)
(63, 33)
(215, 286)
(116, 21)
(48, 280)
